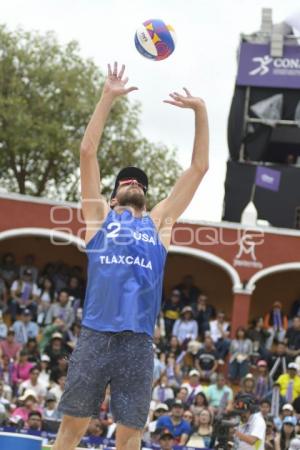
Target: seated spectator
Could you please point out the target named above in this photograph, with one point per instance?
(162, 391)
(29, 264)
(240, 351)
(44, 376)
(276, 323)
(61, 309)
(3, 296)
(6, 375)
(58, 389)
(287, 410)
(200, 403)
(287, 433)
(161, 409)
(21, 369)
(290, 383)
(248, 385)
(265, 408)
(72, 335)
(57, 326)
(25, 328)
(182, 396)
(9, 347)
(203, 313)
(96, 428)
(263, 382)
(34, 385)
(173, 346)
(292, 338)
(75, 293)
(56, 349)
(189, 292)
(219, 332)
(278, 361)
(185, 328)
(193, 385)
(50, 411)
(219, 395)
(24, 295)
(46, 298)
(3, 328)
(202, 435)
(171, 310)
(166, 440)
(29, 404)
(3, 400)
(35, 421)
(207, 360)
(295, 309)
(60, 368)
(8, 269)
(258, 336)
(33, 351)
(159, 366)
(175, 423)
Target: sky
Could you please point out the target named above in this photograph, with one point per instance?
(204, 60)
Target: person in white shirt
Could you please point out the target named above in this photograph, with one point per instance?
(193, 385)
(251, 433)
(34, 385)
(219, 331)
(58, 389)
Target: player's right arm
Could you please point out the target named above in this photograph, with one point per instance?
(94, 206)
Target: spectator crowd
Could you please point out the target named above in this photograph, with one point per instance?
(199, 369)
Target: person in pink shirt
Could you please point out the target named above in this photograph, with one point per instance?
(21, 369)
(30, 403)
(9, 347)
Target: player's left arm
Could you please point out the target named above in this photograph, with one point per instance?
(168, 210)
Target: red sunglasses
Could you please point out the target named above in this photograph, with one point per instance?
(132, 181)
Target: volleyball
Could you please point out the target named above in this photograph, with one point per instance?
(155, 40)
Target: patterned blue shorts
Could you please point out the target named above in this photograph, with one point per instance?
(125, 361)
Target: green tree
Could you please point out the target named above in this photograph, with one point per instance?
(47, 94)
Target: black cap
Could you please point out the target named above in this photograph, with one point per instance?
(27, 272)
(244, 403)
(177, 402)
(165, 432)
(26, 312)
(128, 173)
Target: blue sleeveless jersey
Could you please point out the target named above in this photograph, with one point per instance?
(125, 274)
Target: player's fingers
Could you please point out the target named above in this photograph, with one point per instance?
(187, 92)
(132, 88)
(121, 73)
(109, 70)
(125, 80)
(173, 102)
(115, 72)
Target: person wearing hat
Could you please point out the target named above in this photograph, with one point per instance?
(263, 383)
(29, 403)
(251, 432)
(50, 411)
(286, 435)
(160, 410)
(185, 328)
(290, 383)
(166, 440)
(193, 385)
(126, 250)
(25, 294)
(175, 423)
(25, 328)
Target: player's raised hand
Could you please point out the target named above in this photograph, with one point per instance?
(185, 101)
(115, 83)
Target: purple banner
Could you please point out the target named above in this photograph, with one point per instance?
(268, 178)
(258, 68)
